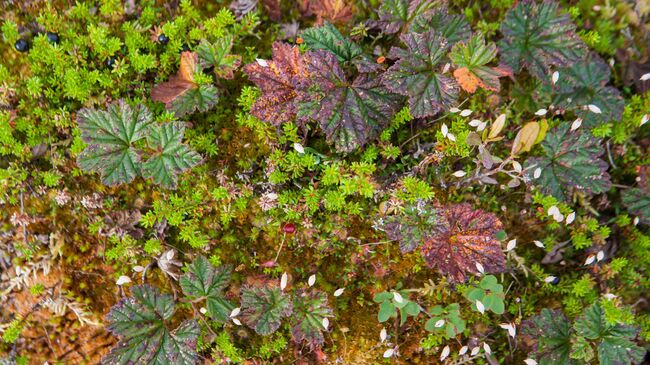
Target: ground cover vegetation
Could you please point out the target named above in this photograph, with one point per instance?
(324, 182)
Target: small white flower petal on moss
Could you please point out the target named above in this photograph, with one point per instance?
(541, 112)
(644, 119)
(444, 130)
(474, 123)
(312, 280)
(463, 350)
(610, 296)
(454, 110)
(645, 77)
(480, 306)
(203, 310)
(635, 221)
(510, 327)
(299, 148)
(451, 137)
(530, 362)
(465, 113)
(123, 280)
(570, 217)
(487, 348)
(325, 323)
(537, 173)
(338, 292)
(594, 109)
(555, 77)
(235, 312)
(398, 297)
(283, 281)
(590, 260)
(236, 321)
(482, 127)
(539, 244)
(600, 256)
(511, 245)
(480, 268)
(576, 124)
(475, 351)
(459, 173)
(138, 268)
(553, 210)
(262, 62)
(389, 353)
(439, 323)
(445, 352)
(517, 167)
(446, 68)
(383, 335)
(549, 279)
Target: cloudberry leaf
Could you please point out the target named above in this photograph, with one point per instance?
(172, 156)
(396, 16)
(327, 37)
(463, 238)
(218, 55)
(334, 11)
(637, 201)
(278, 79)
(571, 162)
(537, 37)
(262, 308)
(141, 322)
(350, 113)
(110, 136)
(204, 281)
(416, 74)
(552, 331)
(309, 310)
(453, 27)
(472, 58)
(412, 227)
(584, 84)
(181, 94)
(615, 344)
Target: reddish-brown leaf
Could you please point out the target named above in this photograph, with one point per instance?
(464, 238)
(178, 84)
(334, 11)
(278, 79)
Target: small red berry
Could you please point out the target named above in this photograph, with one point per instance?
(289, 228)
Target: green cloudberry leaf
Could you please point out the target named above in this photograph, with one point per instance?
(637, 201)
(328, 38)
(397, 15)
(203, 280)
(172, 156)
(471, 58)
(110, 136)
(262, 309)
(309, 310)
(537, 37)
(571, 162)
(217, 55)
(416, 74)
(453, 27)
(552, 331)
(350, 113)
(141, 322)
(411, 227)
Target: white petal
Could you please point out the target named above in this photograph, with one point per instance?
(610, 296)
(454, 110)
(398, 297)
(555, 77)
(645, 77)
(338, 292)
(475, 123)
(487, 348)
(465, 113)
(635, 221)
(594, 109)
(326, 323)
(444, 130)
(235, 312)
(510, 328)
(530, 362)
(511, 245)
(539, 244)
(600, 255)
(644, 120)
(463, 350)
(537, 173)
(576, 124)
(475, 351)
(170, 254)
(541, 112)
(553, 210)
(558, 217)
(123, 280)
(481, 127)
(299, 148)
(550, 279)
(203, 310)
(590, 260)
(480, 268)
(262, 62)
(312, 280)
(446, 68)
(283, 281)
(236, 321)
(138, 268)
(389, 353)
(451, 137)
(570, 217)
(480, 306)
(459, 173)
(383, 335)
(445, 353)
(517, 166)
(440, 323)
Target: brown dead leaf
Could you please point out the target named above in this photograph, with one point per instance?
(178, 84)
(467, 80)
(334, 11)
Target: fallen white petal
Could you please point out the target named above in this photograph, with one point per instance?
(398, 297)
(445, 353)
(480, 306)
(487, 348)
(283, 281)
(440, 323)
(475, 123)
(555, 77)
(594, 109)
(600, 255)
(312, 280)
(459, 173)
(590, 260)
(537, 173)
(463, 350)
(510, 327)
(203, 310)
(610, 296)
(298, 147)
(446, 68)
(539, 244)
(480, 268)
(550, 279)
(645, 77)
(511, 245)
(530, 362)
(262, 62)
(635, 221)
(444, 130)
(644, 120)
(236, 321)
(482, 127)
(338, 292)
(465, 113)
(541, 112)
(454, 110)
(123, 280)
(138, 268)
(389, 353)
(475, 351)
(326, 322)
(558, 217)
(570, 217)
(451, 137)
(517, 166)
(235, 312)
(576, 124)
(383, 335)
(553, 210)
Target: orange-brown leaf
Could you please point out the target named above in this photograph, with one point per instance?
(467, 80)
(178, 84)
(334, 11)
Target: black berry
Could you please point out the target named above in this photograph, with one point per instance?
(185, 48)
(163, 39)
(22, 45)
(52, 37)
(110, 62)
